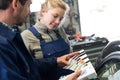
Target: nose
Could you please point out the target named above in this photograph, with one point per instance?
(29, 13)
(57, 21)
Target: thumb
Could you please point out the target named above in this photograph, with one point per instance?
(74, 76)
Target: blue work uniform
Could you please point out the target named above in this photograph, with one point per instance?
(16, 63)
(55, 48)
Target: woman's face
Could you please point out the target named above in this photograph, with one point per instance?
(52, 17)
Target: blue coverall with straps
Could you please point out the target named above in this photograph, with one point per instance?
(53, 49)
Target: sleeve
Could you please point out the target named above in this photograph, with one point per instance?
(65, 77)
(8, 74)
(46, 64)
(8, 69)
(25, 34)
(32, 44)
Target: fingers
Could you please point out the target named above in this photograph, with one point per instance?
(74, 76)
(64, 60)
(68, 56)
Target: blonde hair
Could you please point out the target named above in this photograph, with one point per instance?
(53, 4)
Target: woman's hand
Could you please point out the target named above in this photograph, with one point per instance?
(64, 60)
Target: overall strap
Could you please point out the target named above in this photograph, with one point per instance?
(57, 32)
(35, 32)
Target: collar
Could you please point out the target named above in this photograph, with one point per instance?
(7, 31)
(40, 27)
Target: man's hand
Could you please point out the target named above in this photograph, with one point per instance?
(64, 60)
(74, 75)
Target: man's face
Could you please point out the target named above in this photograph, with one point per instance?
(23, 12)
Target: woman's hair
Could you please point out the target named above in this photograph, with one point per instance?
(4, 4)
(53, 4)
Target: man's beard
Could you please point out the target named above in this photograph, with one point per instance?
(19, 24)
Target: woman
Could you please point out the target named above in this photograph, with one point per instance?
(45, 39)
(47, 33)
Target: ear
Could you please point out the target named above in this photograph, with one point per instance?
(15, 4)
(43, 11)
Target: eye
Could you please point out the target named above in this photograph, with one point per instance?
(55, 16)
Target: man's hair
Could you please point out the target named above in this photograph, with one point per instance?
(4, 4)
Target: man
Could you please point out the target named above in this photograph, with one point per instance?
(15, 61)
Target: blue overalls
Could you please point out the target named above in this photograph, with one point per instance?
(54, 48)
